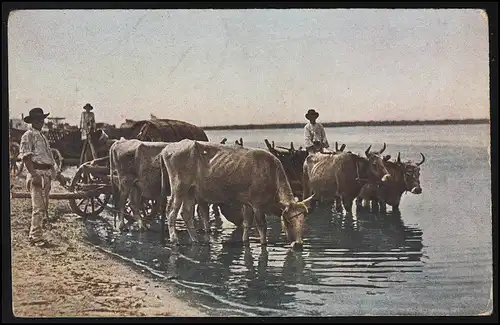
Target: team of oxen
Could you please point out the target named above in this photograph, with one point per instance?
(245, 184)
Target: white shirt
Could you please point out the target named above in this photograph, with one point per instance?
(315, 132)
(87, 121)
(35, 145)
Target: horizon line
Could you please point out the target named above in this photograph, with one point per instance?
(351, 123)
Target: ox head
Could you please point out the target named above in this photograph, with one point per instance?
(292, 221)
(376, 166)
(411, 174)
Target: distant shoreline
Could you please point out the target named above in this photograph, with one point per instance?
(347, 124)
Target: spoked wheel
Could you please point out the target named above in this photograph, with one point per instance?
(92, 206)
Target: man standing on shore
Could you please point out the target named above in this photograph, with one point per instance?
(314, 133)
(42, 169)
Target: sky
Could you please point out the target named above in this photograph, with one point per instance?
(254, 66)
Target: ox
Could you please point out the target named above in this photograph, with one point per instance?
(135, 173)
(293, 162)
(342, 175)
(405, 177)
(215, 173)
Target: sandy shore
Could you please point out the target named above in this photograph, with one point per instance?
(74, 279)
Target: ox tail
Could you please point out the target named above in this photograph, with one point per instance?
(165, 182)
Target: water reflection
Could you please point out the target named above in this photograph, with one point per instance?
(364, 251)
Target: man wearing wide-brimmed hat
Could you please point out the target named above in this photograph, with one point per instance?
(87, 121)
(314, 133)
(42, 169)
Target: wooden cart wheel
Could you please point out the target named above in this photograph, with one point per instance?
(90, 207)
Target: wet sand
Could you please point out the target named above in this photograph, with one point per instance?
(71, 278)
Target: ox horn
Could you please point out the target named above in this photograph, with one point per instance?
(383, 149)
(308, 199)
(268, 145)
(273, 144)
(336, 146)
(342, 147)
(398, 159)
(367, 151)
(241, 142)
(291, 146)
(423, 159)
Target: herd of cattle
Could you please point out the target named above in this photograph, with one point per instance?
(248, 183)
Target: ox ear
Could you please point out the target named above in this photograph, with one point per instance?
(387, 157)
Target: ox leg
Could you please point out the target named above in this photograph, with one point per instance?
(338, 204)
(374, 205)
(382, 207)
(347, 201)
(188, 216)
(218, 220)
(260, 220)
(366, 204)
(359, 202)
(247, 222)
(173, 209)
(135, 203)
(124, 194)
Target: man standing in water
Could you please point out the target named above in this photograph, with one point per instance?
(314, 133)
(42, 169)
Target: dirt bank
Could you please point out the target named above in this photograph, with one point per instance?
(72, 278)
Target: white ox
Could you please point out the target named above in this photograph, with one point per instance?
(215, 173)
(136, 175)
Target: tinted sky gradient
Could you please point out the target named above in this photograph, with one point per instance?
(216, 67)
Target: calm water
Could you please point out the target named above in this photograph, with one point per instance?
(433, 259)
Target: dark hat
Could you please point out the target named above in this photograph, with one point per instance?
(36, 114)
(312, 114)
(88, 106)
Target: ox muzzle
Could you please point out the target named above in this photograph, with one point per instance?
(416, 190)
